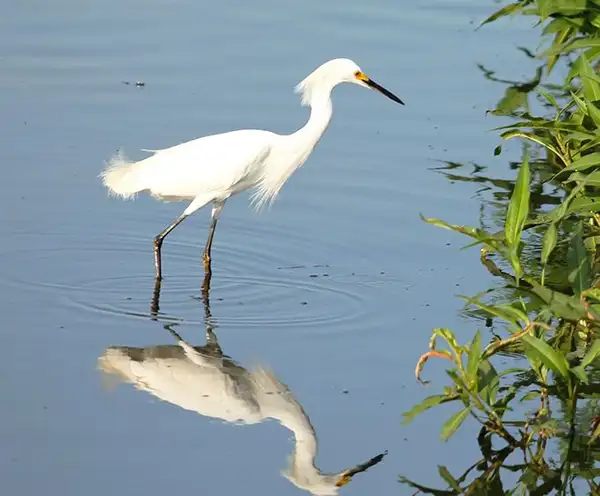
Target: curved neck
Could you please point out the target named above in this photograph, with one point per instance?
(296, 148)
(285, 409)
(302, 470)
(320, 116)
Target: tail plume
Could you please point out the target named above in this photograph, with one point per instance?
(121, 176)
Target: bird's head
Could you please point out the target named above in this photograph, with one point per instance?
(308, 477)
(334, 72)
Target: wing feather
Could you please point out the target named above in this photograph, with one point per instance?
(221, 164)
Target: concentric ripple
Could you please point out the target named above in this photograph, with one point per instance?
(255, 282)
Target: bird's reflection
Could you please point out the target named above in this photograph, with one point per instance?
(204, 380)
(155, 302)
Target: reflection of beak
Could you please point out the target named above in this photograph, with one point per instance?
(344, 479)
(348, 474)
(372, 84)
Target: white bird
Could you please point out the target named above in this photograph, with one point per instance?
(213, 168)
(203, 380)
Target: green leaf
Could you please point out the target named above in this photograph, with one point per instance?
(592, 179)
(495, 310)
(518, 208)
(501, 406)
(585, 162)
(460, 383)
(534, 362)
(450, 338)
(450, 480)
(591, 87)
(592, 353)
(474, 358)
(425, 405)
(560, 38)
(595, 434)
(594, 112)
(532, 395)
(592, 293)
(516, 264)
(580, 103)
(591, 144)
(425, 489)
(538, 123)
(558, 24)
(453, 423)
(511, 8)
(532, 137)
(478, 234)
(516, 313)
(584, 204)
(489, 382)
(579, 372)
(549, 243)
(575, 44)
(560, 304)
(550, 99)
(551, 358)
(564, 7)
(559, 212)
(497, 150)
(580, 270)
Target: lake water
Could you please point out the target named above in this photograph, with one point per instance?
(335, 289)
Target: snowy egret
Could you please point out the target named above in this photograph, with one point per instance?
(213, 168)
(202, 379)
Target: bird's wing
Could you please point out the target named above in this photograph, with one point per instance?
(212, 164)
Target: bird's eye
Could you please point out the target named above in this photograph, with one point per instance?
(357, 73)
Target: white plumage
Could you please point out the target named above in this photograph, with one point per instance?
(213, 168)
(203, 380)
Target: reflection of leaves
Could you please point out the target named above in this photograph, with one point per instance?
(514, 98)
(516, 95)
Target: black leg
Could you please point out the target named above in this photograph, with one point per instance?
(209, 240)
(206, 290)
(158, 240)
(155, 304)
(216, 211)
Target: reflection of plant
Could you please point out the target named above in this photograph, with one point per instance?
(545, 252)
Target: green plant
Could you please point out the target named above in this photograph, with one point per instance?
(547, 302)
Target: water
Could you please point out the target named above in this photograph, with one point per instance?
(335, 289)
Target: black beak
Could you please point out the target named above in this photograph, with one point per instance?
(372, 84)
(363, 467)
